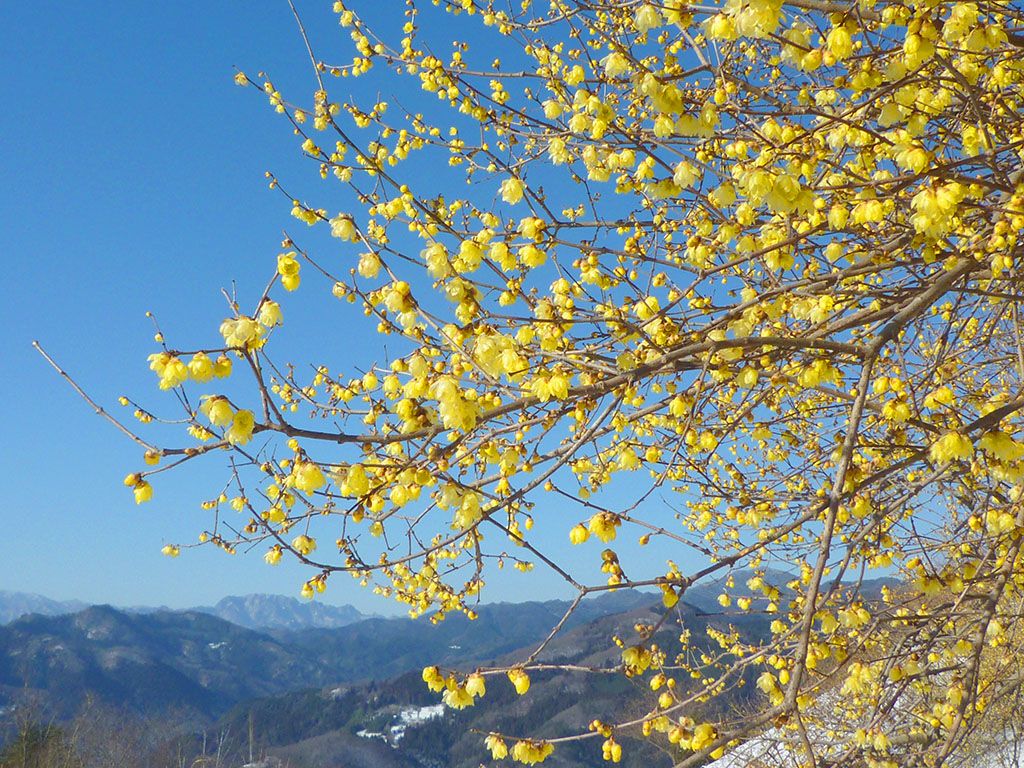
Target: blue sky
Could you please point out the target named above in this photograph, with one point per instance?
(134, 182)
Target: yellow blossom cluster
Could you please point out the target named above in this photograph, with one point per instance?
(740, 279)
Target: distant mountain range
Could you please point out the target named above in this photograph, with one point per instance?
(280, 612)
(315, 696)
(250, 611)
(201, 665)
(324, 682)
(16, 604)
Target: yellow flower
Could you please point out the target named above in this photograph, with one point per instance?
(304, 545)
(457, 698)
(603, 525)
(475, 684)
(357, 481)
(152, 458)
(615, 64)
(1001, 446)
(241, 332)
(637, 657)
(241, 79)
(512, 190)
(241, 428)
(497, 746)
(747, 378)
(342, 226)
(369, 265)
(169, 368)
(217, 410)
(170, 550)
(578, 534)
(273, 557)
(308, 477)
(531, 752)
(143, 492)
(270, 313)
(950, 447)
(840, 43)
(531, 227)
(612, 750)
(200, 368)
(646, 18)
(288, 269)
(432, 677)
(222, 367)
(669, 597)
(520, 680)
(703, 735)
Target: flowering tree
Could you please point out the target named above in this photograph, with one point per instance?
(759, 258)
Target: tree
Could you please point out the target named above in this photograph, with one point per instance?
(753, 264)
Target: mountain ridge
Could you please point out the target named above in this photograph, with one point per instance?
(252, 611)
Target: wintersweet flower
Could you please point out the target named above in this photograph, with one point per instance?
(603, 525)
(342, 226)
(646, 18)
(241, 332)
(520, 680)
(612, 750)
(531, 227)
(531, 752)
(950, 447)
(273, 557)
(357, 481)
(578, 534)
(637, 657)
(308, 477)
(269, 314)
(218, 410)
(222, 367)
(512, 191)
(615, 64)
(471, 256)
(703, 735)
(169, 368)
(288, 269)
(200, 433)
(1001, 446)
(840, 43)
(468, 512)
(304, 545)
(170, 550)
(143, 492)
(475, 684)
(531, 256)
(241, 428)
(369, 265)
(200, 368)
(497, 746)
(433, 678)
(457, 698)
(158, 361)
(747, 378)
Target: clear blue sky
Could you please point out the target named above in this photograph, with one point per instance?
(133, 175)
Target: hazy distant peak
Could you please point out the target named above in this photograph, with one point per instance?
(260, 611)
(16, 604)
